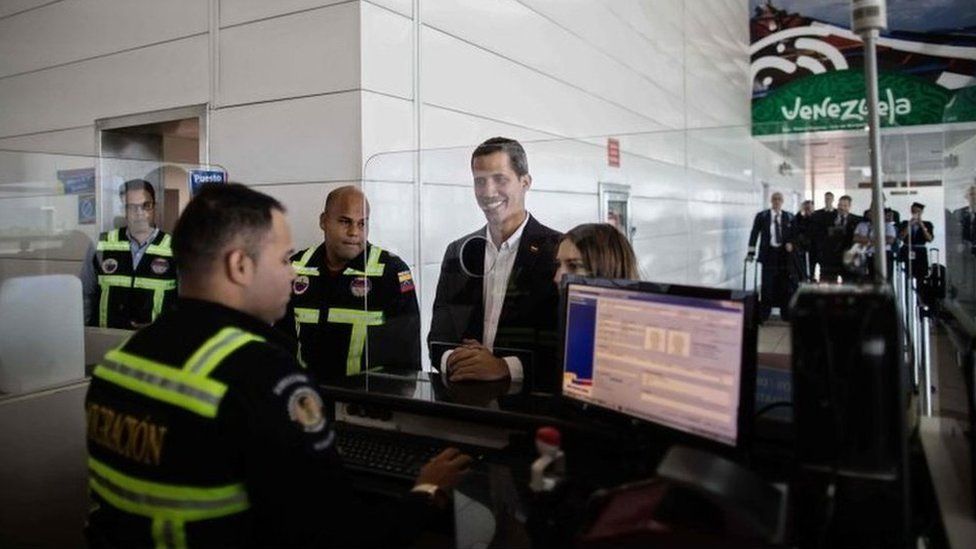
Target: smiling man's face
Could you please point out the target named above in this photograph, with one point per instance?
(499, 190)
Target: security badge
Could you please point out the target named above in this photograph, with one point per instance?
(305, 408)
(110, 265)
(300, 285)
(159, 265)
(360, 286)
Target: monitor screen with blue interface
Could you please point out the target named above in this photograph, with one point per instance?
(667, 359)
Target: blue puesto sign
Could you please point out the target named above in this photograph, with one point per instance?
(78, 181)
(199, 178)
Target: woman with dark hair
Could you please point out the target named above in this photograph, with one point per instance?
(597, 250)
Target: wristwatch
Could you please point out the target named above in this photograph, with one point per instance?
(433, 491)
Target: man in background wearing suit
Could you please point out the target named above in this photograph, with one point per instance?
(838, 238)
(773, 229)
(804, 233)
(822, 219)
(494, 314)
(961, 249)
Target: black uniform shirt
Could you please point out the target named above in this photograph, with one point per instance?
(266, 434)
(364, 317)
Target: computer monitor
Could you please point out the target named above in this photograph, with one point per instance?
(675, 356)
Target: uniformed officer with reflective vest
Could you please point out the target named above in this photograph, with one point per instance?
(204, 431)
(129, 277)
(353, 304)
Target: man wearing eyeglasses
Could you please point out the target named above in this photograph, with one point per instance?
(129, 276)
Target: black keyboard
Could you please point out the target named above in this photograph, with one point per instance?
(390, 454)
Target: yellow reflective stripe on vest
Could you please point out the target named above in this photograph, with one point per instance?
(373, 265)
(157, 286)
(158, 381)
(216, 349)
(301, 266)
(168, 533)
(164, 248)
(106, 282)
(306, 316)
(154, 284)
(360, 320)
(111, 242)
(112, 246)
(165, 501)
(187, 387)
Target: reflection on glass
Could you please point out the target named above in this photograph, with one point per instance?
(353, 305)
(129, 276)
(65, 217)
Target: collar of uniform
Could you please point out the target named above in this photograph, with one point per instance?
(513, 241)
(358, 262)
(199, 308)
(152, 237)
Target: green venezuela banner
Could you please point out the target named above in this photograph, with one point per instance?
(807, 69)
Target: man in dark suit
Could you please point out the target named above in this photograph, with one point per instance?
(804, 233)
(773, 229)
(966, 219)
(961, 249)
(838, 238)
(494, 314)
(916, 233)
(822, 219)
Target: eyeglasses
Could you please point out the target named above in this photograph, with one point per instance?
(144, 207)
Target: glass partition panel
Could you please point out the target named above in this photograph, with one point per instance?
(683, 201)
(70, 228)
(959, 164)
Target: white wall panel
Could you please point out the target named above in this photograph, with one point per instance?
(449, 212)
(647, 36)
(163, 76)
(304, 203)
(463, 77)
(527, 37)
(300, 140)
(10, 7)
(563, 211)
(72, 30)
(717, 63)
(660, 22)
(76, 141)
(664, 255)
(236, 12)
(302, 54)
(387, 126)
(392, 217)
(387, 51)
(447, 128)
(403, 7)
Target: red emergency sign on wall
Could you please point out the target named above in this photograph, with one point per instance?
(613, 152)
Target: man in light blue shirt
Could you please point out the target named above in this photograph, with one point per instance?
(129, 276)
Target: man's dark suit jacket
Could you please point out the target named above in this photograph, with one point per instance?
(965, 227)
(528, 320)
(761, 232)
